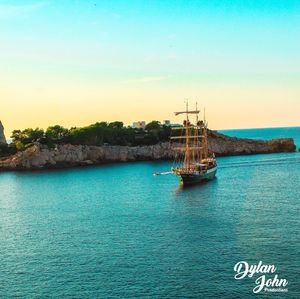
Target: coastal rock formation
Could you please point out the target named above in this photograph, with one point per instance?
(66, 155)
(2, 136)
(223, 145)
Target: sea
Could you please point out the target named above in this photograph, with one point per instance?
(117, 231)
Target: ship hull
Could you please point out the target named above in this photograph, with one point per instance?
(192, 178)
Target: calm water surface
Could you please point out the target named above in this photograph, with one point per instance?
(118, 231)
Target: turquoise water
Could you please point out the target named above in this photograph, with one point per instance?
(116, 231)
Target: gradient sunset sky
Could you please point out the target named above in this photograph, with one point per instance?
(78, 62)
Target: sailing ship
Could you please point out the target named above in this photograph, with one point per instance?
(195, 163)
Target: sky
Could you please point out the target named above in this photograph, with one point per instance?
(75, 62)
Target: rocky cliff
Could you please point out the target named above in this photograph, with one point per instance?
(223, 145)
(2, 136)
(39, 156)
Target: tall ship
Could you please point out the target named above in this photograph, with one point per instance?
(194, 162)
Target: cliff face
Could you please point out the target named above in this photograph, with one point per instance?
(39, 156)
(2, 136)
(223, 145)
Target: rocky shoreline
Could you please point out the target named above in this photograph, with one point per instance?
(66, 155)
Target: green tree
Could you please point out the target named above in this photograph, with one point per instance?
(19, 145)
(7, 149)
(56, 134)
(116, 125)
(16, 135)
(154, 125)
(27, 136)
(99, 133)
(32, 135)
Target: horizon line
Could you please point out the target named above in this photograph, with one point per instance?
(225, 129)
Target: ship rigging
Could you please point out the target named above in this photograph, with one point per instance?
(194, 162)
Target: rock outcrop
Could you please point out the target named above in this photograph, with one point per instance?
(40, 156)
(223, 145)
(2, 136)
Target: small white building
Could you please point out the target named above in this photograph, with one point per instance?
(139, 125)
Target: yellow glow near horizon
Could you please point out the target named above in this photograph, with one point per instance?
(227, 106)
(74, 63)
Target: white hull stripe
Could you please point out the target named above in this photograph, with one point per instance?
(212, 170)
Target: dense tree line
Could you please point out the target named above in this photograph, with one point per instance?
(100, 133)
(6, 150)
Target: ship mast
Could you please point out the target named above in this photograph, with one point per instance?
(196, 154)
(187, 139)
(188, 127)
(196, 163)
(204, 143)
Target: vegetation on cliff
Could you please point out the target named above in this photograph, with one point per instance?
(121, 143)
(6, 150)
(100, 133)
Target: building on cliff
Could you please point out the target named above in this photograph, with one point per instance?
(2, 136)
(139, 125)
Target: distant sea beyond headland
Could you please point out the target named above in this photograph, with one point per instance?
(265, 133)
